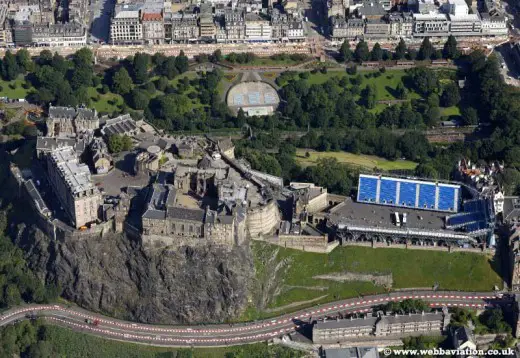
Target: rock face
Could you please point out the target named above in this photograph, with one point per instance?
(113, 275)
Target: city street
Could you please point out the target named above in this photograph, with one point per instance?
(224, 335)
(100, 12)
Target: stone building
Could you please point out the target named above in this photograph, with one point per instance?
(377, 28)
(401, 25)
(72, 185)
(308, 199)
(184, 27)
(234, 26)
(341, 330)
(165, 222)
(63, 35)
(101, 158)
(153, 27)
(71, 122)
(412, 324)
(126, 27)
(395, 326)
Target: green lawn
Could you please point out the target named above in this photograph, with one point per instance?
(450, 111)
(358, 160)
(16, 93)
(385, 83)
(410, 269)
(103, 105)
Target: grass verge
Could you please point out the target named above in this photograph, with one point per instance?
(358, 160)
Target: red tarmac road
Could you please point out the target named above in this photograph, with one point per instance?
(224, 335)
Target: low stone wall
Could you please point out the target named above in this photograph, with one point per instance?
(318, 244)
(490, 251)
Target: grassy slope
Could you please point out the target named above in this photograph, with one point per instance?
(103, 105)
(359, 160)
(67, 343)
(18, 92)
(410, 268)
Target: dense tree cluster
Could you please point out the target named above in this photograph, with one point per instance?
(401, 52)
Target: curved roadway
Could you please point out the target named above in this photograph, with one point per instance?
(242, 333)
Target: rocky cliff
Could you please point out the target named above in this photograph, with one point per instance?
(114, 276)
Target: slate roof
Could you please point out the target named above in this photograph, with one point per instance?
(186, 214)
(346, 323)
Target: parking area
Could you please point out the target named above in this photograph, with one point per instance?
(99, 18)
(509, 68)
(120, 176)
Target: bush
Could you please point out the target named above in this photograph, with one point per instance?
(352, 70)
(12, 85)
(304, 75)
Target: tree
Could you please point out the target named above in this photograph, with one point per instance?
(158, 58)
(400, 50)
(10, 68)
(122, 82)
(401, 91)
(426, 50)
(426, 171)
(469, 116)
(217, 56)
(424, 80)
(412, 54)
(83, 57)
(24, 60)
(432, 116)
(450, 96)
(450, 48)
(139, 99)
(512, 157)
(494, 320)
(64, 96)
(45, 57)
(370, 96)
(115, 143)
(12, 295)
(82, 96)
(361, 53)
(377, 53)
(81, 76)
(181, 62)
(44, 95)
(169, 68)
(345, 53)
(433, 100)
(59, 63)
(140, 66)
(162, 83)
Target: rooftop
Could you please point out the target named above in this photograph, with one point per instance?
(74, 174)
(375, 215)
(346, 323)
(123, 124)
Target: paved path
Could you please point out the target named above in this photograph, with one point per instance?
(225, 335)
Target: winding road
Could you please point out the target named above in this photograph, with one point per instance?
(242, 333)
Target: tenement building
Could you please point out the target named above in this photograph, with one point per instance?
(126, 26)
(396, 326)
(72, 185)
